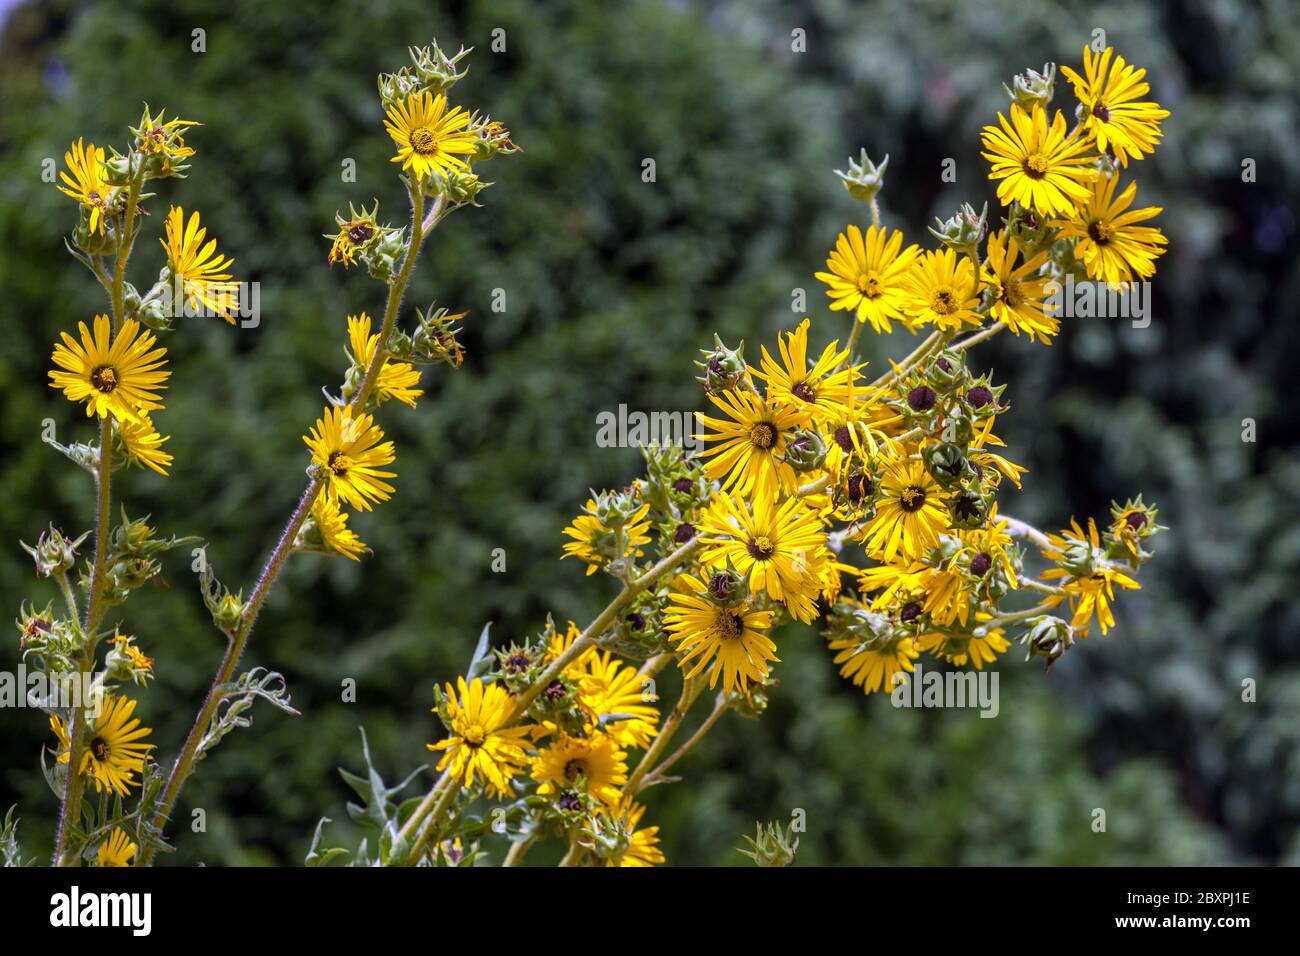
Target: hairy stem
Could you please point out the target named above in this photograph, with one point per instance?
(719, 708)
(690, 693)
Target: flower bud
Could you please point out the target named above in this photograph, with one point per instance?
(54, 553)
(964, 229)
(772, 845)
(724, 368)
(947, 371)
(727, 587)
(1032, 89)
(804, 450)
(864, 178)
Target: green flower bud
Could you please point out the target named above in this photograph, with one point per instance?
(727, 587)
(724, 368)
(947, 463)
(864, 178)
(804, 450)
(54, 553)
(947, 371)
(772, 845)
(1032, 89)
(964, 230)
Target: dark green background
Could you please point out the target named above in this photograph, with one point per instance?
(611, 284)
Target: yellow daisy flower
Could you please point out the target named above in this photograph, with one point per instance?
(120, 375)
(481, 745)
(428, 137)
(815, 393)
(351, 236)
(351, 451)
(85, 182)
(199, 268)
(114, 751)
(866, 274)
(1038, 166)
(332, 524)
(593, 763)
(1112, 246)
(1112, 114)
(749, 441)
(959, 651)
(942, 288)
(117, 850)
(142, 445)
(782, 548)
(1017, 291)
(731, 642)
(910, 515)
(642, 845)
(396, 379)
(597, 544)
(872, 668)
(607, 687)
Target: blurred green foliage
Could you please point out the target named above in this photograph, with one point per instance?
(611, 283)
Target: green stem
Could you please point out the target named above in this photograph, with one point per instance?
(719, 708)
(690, 693)
(270, 573)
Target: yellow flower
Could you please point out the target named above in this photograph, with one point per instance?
(351, 452)
(428, 137)
(782, 548)
(481, 744)
(815, 393)
(164, 139)
(396, 379)
(117, 850)
(87, 184)
(608, 687)
(642, 845)
(942, 288)
(136, 659)
(198, 267)
(332, 523)
(142, 444)
(961, 650)
(1091, 594)
(749, 443)
(1112, 246)
(114, 752)
(593, 763)
(731, 642)
(597, 544)
(1110, 114)
(120, 375)
(351, 236)
(1017, 291)
(875, 668)
(866, 274)
(910, 515)
(1039, 167)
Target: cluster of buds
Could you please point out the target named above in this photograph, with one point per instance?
(677, 488)
(131, 559)
(639, 632)
(53, 641)
(864, 178)
(430, 69)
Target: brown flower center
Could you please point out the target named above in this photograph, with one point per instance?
(104, 378)
(1035, 166)
(869, 284)
(339, 463)
(575, 768)
(761, 548)
(912, 498)
(730, 624)
(944, 301)
(1101, 232)
(99, 749)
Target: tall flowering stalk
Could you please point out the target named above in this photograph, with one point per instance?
(116, 369)
(872, 506)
